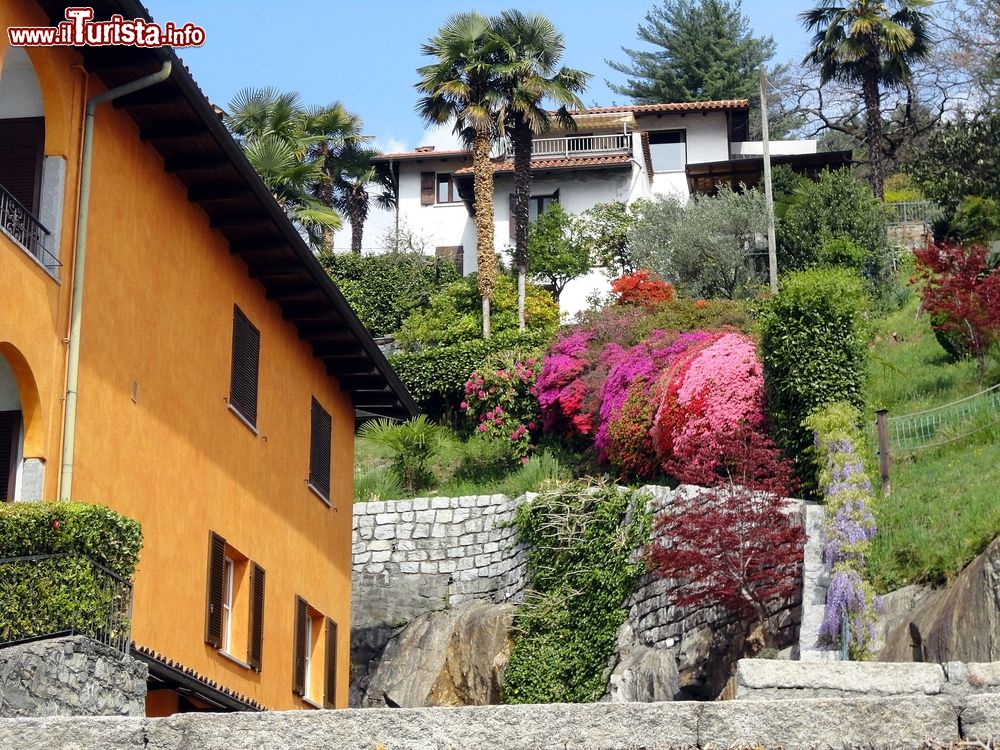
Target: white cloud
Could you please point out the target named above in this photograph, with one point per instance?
(441, 137)
(391, 145)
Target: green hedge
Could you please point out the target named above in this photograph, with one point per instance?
(814, 343)
(385, 289)
(436, 376)
(68, 592)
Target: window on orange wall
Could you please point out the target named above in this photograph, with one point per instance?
(314, 676)
(321, 431)
(234, 620)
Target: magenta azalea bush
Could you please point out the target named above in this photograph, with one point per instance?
(649, 399)
(639, 366)
(501, 404)
(706, 398)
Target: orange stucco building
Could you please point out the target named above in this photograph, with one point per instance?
(220, 373)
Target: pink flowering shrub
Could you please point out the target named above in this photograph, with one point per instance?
(638, 365)
(714, 391)
(501, 404)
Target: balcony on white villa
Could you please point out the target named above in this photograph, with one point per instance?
(576, 146)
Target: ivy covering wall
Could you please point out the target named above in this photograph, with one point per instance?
(582, 569)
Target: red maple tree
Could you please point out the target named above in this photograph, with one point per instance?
(733, 544)
(962, 290)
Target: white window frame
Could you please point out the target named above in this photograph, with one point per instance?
(307, 658)
(228, 568)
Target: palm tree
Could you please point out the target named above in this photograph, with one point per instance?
(463, 84)
(355, 175)
(871, 43)
(333, 130)
(534, 48)
(271, 128)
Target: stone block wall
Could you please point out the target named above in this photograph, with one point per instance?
(425, 554)
(72, 676)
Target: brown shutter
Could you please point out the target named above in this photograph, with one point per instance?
(301, 644)
(255, 649)
(246, 355)
(10, 430)
(426, 188)
(216, 589)
(330, 697)
(22, 149)
(319, 449)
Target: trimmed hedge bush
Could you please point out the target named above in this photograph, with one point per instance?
(814, 345)
(436, 376)
(385, 289)
(836, 207)
(67, 592)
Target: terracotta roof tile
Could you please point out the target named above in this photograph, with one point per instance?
(672, 107)
(158, 657)
(577, 162)
(422, 154)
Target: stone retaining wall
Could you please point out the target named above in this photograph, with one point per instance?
(415, 556)
(73, 676)
(762, 679)
(875, 722)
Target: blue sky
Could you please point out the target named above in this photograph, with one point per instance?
(365, 53)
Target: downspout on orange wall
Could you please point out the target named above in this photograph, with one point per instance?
(79, 257)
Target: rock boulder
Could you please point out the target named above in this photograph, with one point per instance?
(454, 657)
(957, 623)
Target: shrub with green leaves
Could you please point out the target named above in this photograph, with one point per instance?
(582, 570)
(814, 344)
(837, 206)
(436, 376)
(455, 314)
(385, 289)
(66, 592)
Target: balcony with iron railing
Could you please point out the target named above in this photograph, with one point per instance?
(577, 146)
(52, 595)
(18, 223)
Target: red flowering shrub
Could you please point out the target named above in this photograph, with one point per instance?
(642, 288)
(713, 390)
(629, 447)
(501, 403)
(962, 292)
(637, 367)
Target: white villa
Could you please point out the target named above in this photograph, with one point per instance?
(614, 154)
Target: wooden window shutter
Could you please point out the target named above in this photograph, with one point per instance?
(330, 686)
(216, 589)
(255, 648)
(22, 150)
(301, 644)
(246, 355)
(10, 430)
(427, 188)
(319, 449)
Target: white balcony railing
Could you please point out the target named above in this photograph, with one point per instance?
(577, 145)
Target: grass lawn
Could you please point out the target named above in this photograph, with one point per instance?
(945, 503)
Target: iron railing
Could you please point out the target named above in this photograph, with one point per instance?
(27, 231)
(945, 424)
(576, 145)
(914, 212)
(43, 596)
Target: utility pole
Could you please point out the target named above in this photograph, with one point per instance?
(772, 250)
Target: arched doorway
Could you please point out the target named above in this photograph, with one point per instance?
(11, 434)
